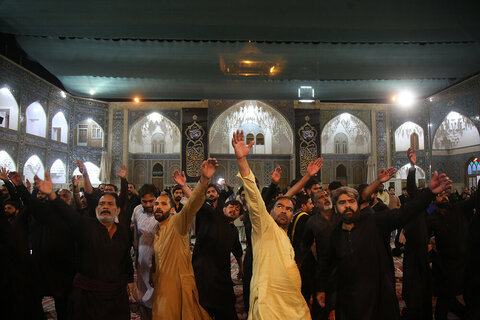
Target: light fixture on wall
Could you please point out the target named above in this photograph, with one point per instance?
(63, 94)
(136, 99)
(92, 92)
(306, 94)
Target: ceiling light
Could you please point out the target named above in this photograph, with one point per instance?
(405, 98)
(92, 92)
(136, 99)
(63, 94)
(272, 69)
(247, 61)
(394, 98)
(430, 99)
(306, 94)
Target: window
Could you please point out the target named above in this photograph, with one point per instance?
(96, 131)
(473, 172)
(4, 118)
(341, 143)
(158, 143)
(250, 138)
(260, 139)
(57, 133)
(82, 134)
(414, 141)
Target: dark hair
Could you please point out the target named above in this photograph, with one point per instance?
(233, 203)
(113, 194)
(148, 189)
(114, 186)
(301, 198)
(345, 190)
(170, 199)
(391, 188)
(176, 187)
(215, 186)
(240, 190)
(15, 204)
(282, 198)
(334, 185)
(361, 187)
(405, 188)
(133, 184)
(310, 183)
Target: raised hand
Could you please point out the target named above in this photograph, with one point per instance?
(276, 174)
(314, 167)
(3, 173)
(122, 173)
(15, 178)
(45, 186)
(75, 181)
(412, 156)
(81, 166)
(179, 178)
(238, 143)
(209, 167)
(439, 183)
(386, 174)
(29, 185)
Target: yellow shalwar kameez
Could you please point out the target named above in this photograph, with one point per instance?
(175, 295)
(275, 289)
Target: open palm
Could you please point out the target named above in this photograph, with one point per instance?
(386, 174)
(209, 167)
(179, 178)
(314, 166)
(122, 173)
(238, 143)
(276, 175)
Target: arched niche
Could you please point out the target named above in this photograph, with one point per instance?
(402, 173)
(357, 175)
(456, 131)
(88, 133)
(33, 166)
(472, 170)
(406, 133)
(6, 161)
(58, 172)
(353, 128)
(253, 117)
(154, 133)
(93, 173)
(341, 174)
(8, 109)
(59, 128)
(36, 120)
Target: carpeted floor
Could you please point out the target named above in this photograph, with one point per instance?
(49, 306)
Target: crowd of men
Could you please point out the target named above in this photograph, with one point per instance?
(312, 252)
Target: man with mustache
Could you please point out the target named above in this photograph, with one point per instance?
(104, 266)
(143, 224)
(175, 294)
(365, 284)
(275, 291)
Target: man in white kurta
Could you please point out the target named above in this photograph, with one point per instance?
(275, 289)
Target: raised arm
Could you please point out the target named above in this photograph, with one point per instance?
(122, 174)
(312, 169)
(412, 188)
(181, 180)
(76, 193)
(8, 184)
(269, 193)
(258, 212)
(86, 179)
(184, 218)
(383, 176)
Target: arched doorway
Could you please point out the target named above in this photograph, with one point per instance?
(157, 175)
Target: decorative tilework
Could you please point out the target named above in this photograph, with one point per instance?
(381, 139)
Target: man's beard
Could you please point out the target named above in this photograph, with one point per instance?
(283, 223)
(105, 219)
(161, 216)
(350, 218)
(178, 198)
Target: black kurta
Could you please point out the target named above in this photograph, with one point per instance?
(365, 281)
(216, 239)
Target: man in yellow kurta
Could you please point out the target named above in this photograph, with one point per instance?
(275, 289)
(175, 294)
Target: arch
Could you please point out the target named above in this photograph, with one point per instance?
(260, 139)
(472, 170)
(414, 141)
(359, 137)
(59, 128)
(6, 161)
(254, 117)
(403, 136)
(250, 137)
(157, 170)
(8, 109)
(58, 172)
(158, 143)
(143, 131)
(341, 174)
(33, 166)
(357, 175)
(36, 120)
(93, 173)
(455, 131)
(341, 143)
(402, 173)
(88, 133)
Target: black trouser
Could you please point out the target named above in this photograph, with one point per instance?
(222, 314)
(447, 304)
(247, 276)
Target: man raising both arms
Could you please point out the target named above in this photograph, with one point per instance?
(275, 290)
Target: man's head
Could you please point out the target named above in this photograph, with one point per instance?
(101, 187)
(5, 193)
(312, 186)
(391, 190)
(231, 209)
(322, 201)
(282, 212)
(65, 195)
(177, 193)
(442, 200)
(304, 202)
(212, 192)
(241, 193)
(11, 209)
(346, 203)
(111, 188)
(334, 185)
(405, 192)
(107, 209)
(163, 208)
(41, 196)
(131, 189)
(83, 201)
(148, 193)
(380, 188)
